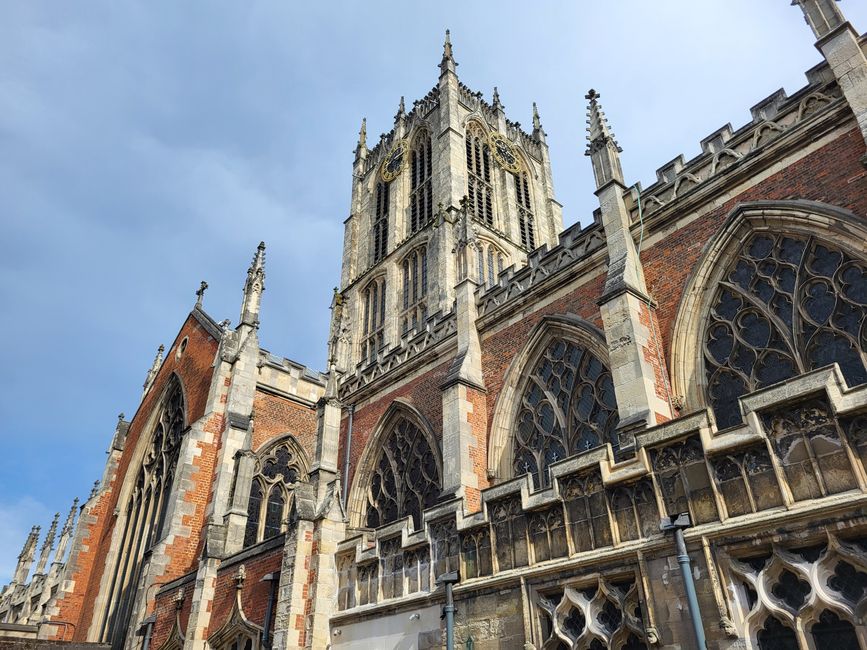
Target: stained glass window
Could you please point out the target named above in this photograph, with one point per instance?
(567, 407)
(406, 479)
(277, 472)
(789, 304)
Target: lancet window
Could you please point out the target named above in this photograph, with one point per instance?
(406, 478)
(373, 299)
(145, 513)
(489, 263)
(414, 311)
(479, 188)
(803, 597)
(277, 472)
(380, 220)
(421, 186)
(789, 304)
(568, 406)
(524, 203)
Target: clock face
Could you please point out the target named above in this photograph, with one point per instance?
(394, 159)
(504, 153)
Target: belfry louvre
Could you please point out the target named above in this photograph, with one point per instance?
(543, 414)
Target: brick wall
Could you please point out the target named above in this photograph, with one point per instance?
(276, 416)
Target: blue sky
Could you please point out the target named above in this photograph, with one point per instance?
(145, 146)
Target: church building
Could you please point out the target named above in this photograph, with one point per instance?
(646, 432)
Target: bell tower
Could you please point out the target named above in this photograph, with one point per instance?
(451, 158)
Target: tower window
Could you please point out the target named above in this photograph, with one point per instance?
(414, 290)
(525, 211)
(489, 262)
(479, 189)
(380, 221)
(421, 193)
(374, 319)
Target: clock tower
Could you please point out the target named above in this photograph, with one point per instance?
(454, 191)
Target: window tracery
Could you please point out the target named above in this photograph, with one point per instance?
(635, 510)
(524, 203)
(807, 597)
(406, 480)
(476, 550)
(479, 185)
(416, 565)
(600, 615)
(587, 510)
(684, 481)
(489, 262)
(548, 534)
(421, 187)
(374, 319)
(789, 304)
(414, 311)
(568, 406)
(509, 523)
(380, 220)
(747, 481)
(145, 512)
(277, 472)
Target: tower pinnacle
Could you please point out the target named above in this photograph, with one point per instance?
(47, 545)
(601, 147)
(538, 132)
(253, 288)
(155, 368)
(497, 104)
(448, 64)
(361, 147)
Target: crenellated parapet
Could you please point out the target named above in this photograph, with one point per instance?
(475, 103)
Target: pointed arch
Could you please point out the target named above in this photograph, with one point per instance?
(402, 423)
(728, 264)
(480, 173)
(584, 345)
(421, 183)
(238, 632)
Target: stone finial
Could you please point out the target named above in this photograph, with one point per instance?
(448, 64)
(822, 16)
(66, 533)
(401, 109)
(200, 293)
(70, 518)
(94, 490)
(361, 146)
(240, 576)
(253, 288)
(179, 598)
(25, 558)
(152, 373)
(496, 103)
(47, 545)
(601, 147)
(538, 132)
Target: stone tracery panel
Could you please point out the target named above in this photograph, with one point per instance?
(568, 406)
(789, 304)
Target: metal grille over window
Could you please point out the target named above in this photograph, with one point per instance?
(414, 290)
(421, 193)
(268, 507)
(526, 225)
(479, 189)
(374, 319)
(380, 221)
(601, 615)
(568, 407)
(406, 479)
(789, 304)
(811, 597)
(145, 514)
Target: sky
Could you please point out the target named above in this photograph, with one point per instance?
(146, 146)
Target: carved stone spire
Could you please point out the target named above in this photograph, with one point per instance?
(94, 490)
(253, 288)
(538, 132)
(448, 63)
(601, 147)
(361, 147)
(66, 533)
(25, 559)
(497, 104)
(47, 545)
(155, 368)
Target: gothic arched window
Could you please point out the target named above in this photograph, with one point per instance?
(406, 478)
(489, 262)
(524, 202)
(145, 513)
(380, 221)
(414, 312)
(421, 190)
(479, 189)
(568, 406)
(374, 319)
(789, 304)
(277, 472)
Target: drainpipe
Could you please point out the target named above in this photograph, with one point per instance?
(347, 451)
(677, 523)
(274, 579)
(449, 579)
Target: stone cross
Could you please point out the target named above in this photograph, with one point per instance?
(200, 294)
